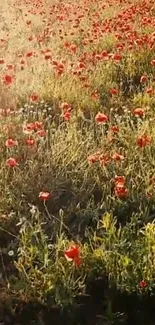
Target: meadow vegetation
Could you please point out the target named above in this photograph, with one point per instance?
(77, 160)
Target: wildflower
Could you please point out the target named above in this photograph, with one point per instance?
(81, 65)
(44, 196)
(38, 125)
(114, 128)
(104, 160)
(41, 133)
(7, 80)
(149, 91)
(117, 156)
(29, 54)
(67, 44)
(139, 112)
(28, 128)
(11, 143)
(30, 142)
(98, 57)
(73, 48)
(60, 68)
(73, 254)
(34, 97)
(142, 284)
(143, 140)
(104, 54)
(47, 56)
(93, 158)
(119, 180)
(11, 162)
(101, 118)
(113, 91)
(121, 191)
(66, 115)
(143, 79)
(117, 57)
(10, 66)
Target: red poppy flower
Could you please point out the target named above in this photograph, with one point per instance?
(101, 118)
(11, 143)
(34, 97)
(86, 84)
(93, 158)
(44, 196)
(67, 44)
(150, 91)
(104, 160)
(30, 142)
(73, 254)
(117, 156)
(7, 80)
(138, 112)
(11, 162)
(142, 284)
(113, 91)
(119, 180)
(38, 125)
(73, 48)
(59, 68)
(66, 115)
(143, 140)
(98, 57)
(28, 128)
(104, 54)
(143, 79)
(121, 191)
(117, 57)
(114, 128)
(81, 65)
(47, 56)
(29, 54)
(10, 66)
(41, 133)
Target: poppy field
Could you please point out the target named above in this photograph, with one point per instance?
(77, 162)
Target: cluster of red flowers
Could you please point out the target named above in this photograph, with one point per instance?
(78, 58)
(120, 190)
(33, 131)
